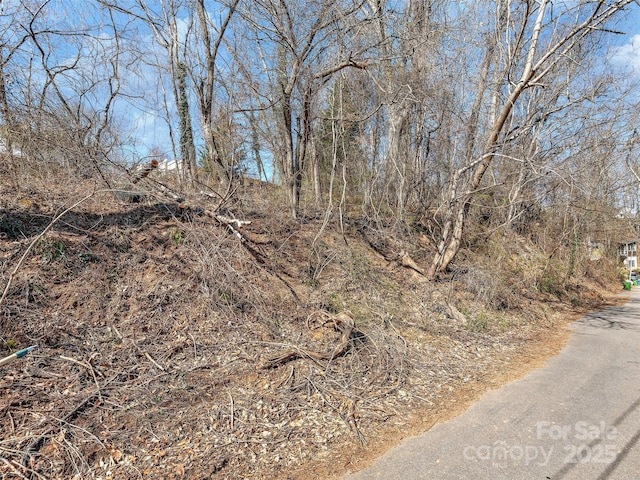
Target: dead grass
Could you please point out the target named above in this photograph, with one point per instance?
(154, 323)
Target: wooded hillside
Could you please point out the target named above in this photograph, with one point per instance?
(468, 118)
(267, 239)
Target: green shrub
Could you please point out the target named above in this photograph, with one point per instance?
(50, 249)
(550, 283)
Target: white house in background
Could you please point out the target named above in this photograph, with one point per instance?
(165, 165)
(629, 253)
(626, 212)
(3, 149)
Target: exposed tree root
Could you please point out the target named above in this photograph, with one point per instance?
(341, 322)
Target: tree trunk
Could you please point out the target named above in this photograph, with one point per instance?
(453, 231)
(397, 119)
(187, 147)
(317, 186)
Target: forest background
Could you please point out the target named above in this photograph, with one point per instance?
(442, 110)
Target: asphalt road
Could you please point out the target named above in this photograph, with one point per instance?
(576, 418)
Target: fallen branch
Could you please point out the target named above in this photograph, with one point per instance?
(145, 171)
(232, 224)
(455, 313)
(341, 322)
(408, 262)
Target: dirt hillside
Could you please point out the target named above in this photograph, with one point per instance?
(177, 344)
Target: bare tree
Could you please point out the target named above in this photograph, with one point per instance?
(297, 61)
(542, 43)
(58, 107)
(210, 39)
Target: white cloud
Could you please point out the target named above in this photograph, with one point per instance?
(628, 55)
(149, 130)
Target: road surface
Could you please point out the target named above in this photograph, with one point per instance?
(576, 418)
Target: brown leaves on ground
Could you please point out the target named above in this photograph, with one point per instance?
(153, 323)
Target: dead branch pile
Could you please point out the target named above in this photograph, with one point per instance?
(342, 323)
(170, 349)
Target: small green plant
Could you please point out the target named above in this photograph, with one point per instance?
(226, 297)
(11, 345)
(115, 340)
(88, 257)
(550, 283)
(479, 323)
(176, 235)
(119, 240)
(112, 275)
(335, 303)
(51, 249)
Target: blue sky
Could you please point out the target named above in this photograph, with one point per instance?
(623, 51)
(626, 48)
(140, 112)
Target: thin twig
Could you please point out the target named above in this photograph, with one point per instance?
(13, 423)
(149, 357)
(14, 469)
(146, 354)
(232, 411)
(195, 348)
(89, 367)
